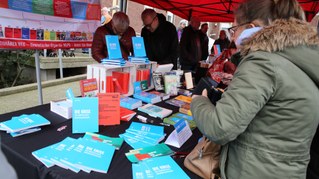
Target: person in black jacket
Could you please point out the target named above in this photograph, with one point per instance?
(204, 40)
(222, 41)
(190, 45)
(160, 38)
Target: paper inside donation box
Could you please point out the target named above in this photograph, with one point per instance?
(180, 135)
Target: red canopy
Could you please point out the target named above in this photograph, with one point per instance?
(214, 10)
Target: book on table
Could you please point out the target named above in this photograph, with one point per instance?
(109, 109)
(130, 103)
(163, 167)
(24, 122)
(85, 115)
(155, 111)
(89, 87)
(126, 114)
(147, 97)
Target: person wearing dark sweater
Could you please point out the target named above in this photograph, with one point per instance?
(119, 25)
(222, 41)
(190, 46)
(160, 38)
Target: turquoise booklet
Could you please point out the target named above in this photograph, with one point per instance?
(90, 154)
(140, 135)
(24, 122)
(85, 115)
(148, 152)
(114, 141)
(113, 47)
(163, 167)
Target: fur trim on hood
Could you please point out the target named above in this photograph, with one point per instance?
(281, 34)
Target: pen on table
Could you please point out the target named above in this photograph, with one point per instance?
(164, 124)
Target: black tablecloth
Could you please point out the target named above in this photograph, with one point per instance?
(18, 150)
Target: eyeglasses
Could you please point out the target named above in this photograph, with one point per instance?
(233, 29)
(148, 26)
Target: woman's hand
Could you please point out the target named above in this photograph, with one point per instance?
(226, 78)
(204, 93)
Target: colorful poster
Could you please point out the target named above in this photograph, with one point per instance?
(81, 17)
(42, 7)
(52, 35)
(4, 4)
(62, 8)
(1, 31)
(25, 33)
(8, 32)
(79, 10)
(93, 12)
(21, 5)
(33, 34)
(46, 35)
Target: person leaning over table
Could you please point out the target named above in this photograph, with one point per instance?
(119, 25)
(267, 118)
(160, 37)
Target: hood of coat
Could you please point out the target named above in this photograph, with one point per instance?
(293, 39)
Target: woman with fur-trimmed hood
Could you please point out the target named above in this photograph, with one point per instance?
(269, 114)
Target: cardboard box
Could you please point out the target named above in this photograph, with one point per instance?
(62, 107)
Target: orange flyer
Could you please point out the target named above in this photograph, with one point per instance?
(109, 109)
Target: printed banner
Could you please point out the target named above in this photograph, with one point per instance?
(48, 23)
(41, 44)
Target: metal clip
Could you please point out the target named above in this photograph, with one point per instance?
(200, 154)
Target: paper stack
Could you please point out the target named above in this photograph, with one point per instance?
(140, 135)
(93, 152)
(24, 124)
(159, 167)
(148, 152)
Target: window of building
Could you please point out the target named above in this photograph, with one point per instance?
(170, 17)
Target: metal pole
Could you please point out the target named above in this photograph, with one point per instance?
(90, 52)
(123, 5)
(37, 66)
(60, 63)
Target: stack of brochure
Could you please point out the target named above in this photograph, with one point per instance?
(116, 62)
(159, 167)
(147, 97)
(140, 135)
(93, 152)
(142, 60)
(148, 152)
(155, 111)
(24, 124)
(130, 103)
(180, 116)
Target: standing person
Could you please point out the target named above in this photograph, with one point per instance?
(222, 41)
(204, 40)
(182, 25)
(190, 46)
(160, 38)
(267, 118)
(119, 25)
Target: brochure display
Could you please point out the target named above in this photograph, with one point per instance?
(100, 72)
(180, 135)
(86, 154)
(159, 167)
(140, 135)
